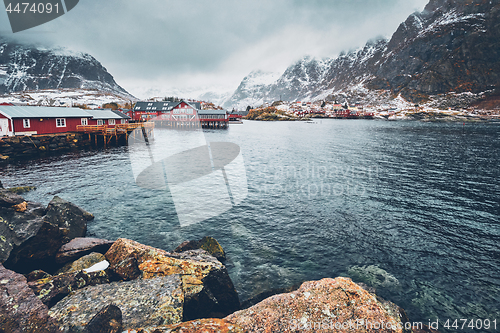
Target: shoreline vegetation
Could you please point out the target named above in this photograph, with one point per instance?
(54, 279)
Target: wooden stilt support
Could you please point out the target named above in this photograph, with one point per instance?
(144, 134)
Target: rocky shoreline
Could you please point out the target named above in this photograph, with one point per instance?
(54, 279)
(25, 147)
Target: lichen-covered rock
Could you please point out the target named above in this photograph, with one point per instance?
(37, 274)
(17, 228)
(126, 270)
(30, 239)
(81, 246)
(125, 248)
(208, 290)
(268, 293)
(210, 325)
(143, 303)
(20, 309)
(68, 216)
(52, 289)
(21, 189)
(208, 244)
(328, 305)
(82, 263)
(22, 207)
(108, 320)
(187, 245)
(9, 199)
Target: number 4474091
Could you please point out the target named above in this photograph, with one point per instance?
(27, 7)
(461, 324)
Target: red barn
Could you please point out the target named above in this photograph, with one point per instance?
(30, 120)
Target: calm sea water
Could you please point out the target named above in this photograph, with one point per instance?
(410, 208)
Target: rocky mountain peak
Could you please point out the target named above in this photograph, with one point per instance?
(27, 67)
(453, 46)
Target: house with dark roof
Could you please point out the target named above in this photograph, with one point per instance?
(144, 111)
(185, 115)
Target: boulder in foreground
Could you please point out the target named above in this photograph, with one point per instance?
(81, 246)
(20, 309)
(210, 325)
(208, 290)
(31, 237)
(328, 305)
(82, 263)
(52, 289)
(108, 320)
(69, 217)
(152, 302)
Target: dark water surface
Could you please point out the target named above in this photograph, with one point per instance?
(410, 208)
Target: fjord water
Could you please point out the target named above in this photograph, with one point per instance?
(410, 208)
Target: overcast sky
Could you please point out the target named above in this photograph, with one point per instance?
(156, 46)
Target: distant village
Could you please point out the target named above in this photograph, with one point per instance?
(281, 110)
(177, 113)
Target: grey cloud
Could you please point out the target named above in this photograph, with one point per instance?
(163, 41)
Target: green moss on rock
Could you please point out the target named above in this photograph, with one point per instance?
(21, 189)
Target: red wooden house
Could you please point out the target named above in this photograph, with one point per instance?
(30, 120)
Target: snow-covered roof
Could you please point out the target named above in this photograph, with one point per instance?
(42, 112)
(163, 106)
(104, 114)
(154, 106)
(121, 114)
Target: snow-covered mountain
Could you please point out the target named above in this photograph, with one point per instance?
(30, 68)
(451, 48)
(218, 98)
(300, 78)
(253, 90)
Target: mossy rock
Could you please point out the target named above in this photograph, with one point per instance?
(82, 263)
(373, 276)
(213, 247)
(208, 244)
(37, 275)
(21, 189)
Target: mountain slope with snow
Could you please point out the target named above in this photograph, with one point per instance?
(452, 47)
(253, 90)
(28, 68)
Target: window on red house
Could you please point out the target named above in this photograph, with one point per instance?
(60, 122)
(26, 123)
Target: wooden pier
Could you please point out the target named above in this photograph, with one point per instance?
(118, 132)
